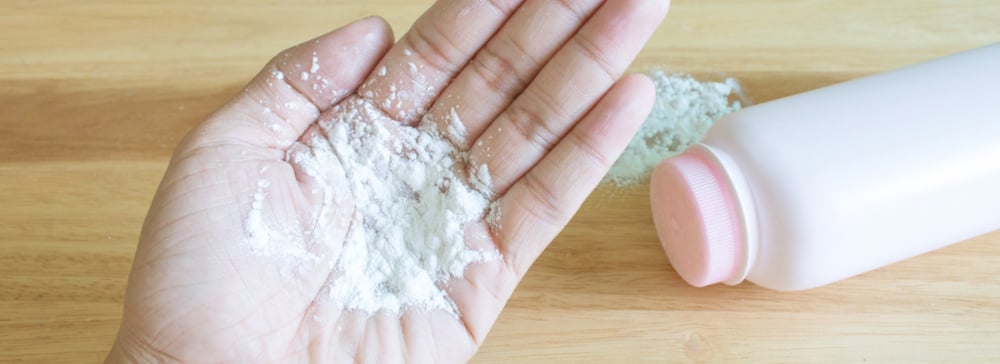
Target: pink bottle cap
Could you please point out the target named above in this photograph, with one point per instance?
(697, 218)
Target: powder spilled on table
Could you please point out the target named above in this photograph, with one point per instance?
(684, 110)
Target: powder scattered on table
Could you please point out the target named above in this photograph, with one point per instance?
(684, 110)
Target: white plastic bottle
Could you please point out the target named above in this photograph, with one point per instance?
(817, 187)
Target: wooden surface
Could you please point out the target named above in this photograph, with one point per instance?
(94, 94)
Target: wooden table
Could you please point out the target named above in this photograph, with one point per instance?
(94, 95)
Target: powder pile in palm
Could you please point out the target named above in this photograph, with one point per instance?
(411, 209)
(684, 110)
(412, 201)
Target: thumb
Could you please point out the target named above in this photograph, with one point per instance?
(296, 86)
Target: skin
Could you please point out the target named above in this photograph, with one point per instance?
(538, 86)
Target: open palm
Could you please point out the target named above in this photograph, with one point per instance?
(536, 87)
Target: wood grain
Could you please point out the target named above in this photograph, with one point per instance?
(95, 95)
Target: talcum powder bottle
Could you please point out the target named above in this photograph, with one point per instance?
(817, 187)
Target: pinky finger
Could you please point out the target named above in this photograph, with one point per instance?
(542, 202)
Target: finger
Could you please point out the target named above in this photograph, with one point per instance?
(426, 59)
(287, 96)
(566, 88)
(540, 204)
(505, 66)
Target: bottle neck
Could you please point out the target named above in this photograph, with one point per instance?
(746, 211)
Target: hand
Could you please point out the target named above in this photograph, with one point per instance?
(535, 84)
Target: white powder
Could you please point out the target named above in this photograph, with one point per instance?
(684, 110)
(315, 64)
(407, 236)
(263, 232)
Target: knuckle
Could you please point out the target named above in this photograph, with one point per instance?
(575, 8)
(548, 207)
(596, 55)
(531, 126)
(497, 71)
(590, 150)
(435, 48)
(504, 6)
